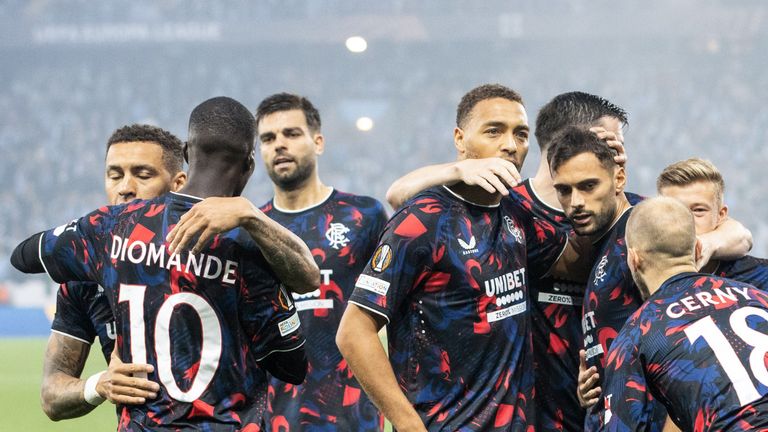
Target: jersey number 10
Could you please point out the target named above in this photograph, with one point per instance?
(707, 329)
(210, 351)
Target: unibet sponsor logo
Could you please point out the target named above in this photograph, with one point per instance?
(312, 299)
(588, 325)
(510, 294)
(506, 287)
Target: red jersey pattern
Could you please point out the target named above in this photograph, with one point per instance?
(195, 317)
(451, 279)
(341, 232)
(698, 345)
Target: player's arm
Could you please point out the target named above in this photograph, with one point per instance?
(286, 253)
(62, 392)
(26, 256)
(728, 241)
(359, 343)
(64, 395)
(492, 174)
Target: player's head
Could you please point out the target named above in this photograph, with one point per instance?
(577, 109)
(696, 183)
(142, 162)
(660, 235)
(221, 138)
(289, 132)
(586, 178)
(491, 122)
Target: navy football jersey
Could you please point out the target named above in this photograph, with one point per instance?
(749, 269)
(341, 232)
(451, 280)
(194, 317)
(698, 345)
(83, 313)
(556, 327)
(556, 307)
(610, 298)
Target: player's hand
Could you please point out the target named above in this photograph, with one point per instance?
(614, 141)
(119, 385)
(495, 175)
(207, 218)
(703, 255)
(587, 391)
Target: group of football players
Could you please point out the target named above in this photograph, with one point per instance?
(557, 303)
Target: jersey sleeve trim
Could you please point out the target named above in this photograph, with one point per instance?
(40, 255)
(73, 337)
(369, 309)
(294, 348)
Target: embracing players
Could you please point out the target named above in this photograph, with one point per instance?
(450, 279)
(142, 162)
(697, 344)
(196, 317)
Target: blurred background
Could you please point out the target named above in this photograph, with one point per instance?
(691, 74)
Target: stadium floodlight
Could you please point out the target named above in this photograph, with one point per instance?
(364, 124)
(356, 44)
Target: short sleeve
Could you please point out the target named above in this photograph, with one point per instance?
(72, 316)
(267, 312)
(400, 261)
(73, 252)
(544, 242)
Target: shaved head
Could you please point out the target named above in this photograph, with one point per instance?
(662, 227)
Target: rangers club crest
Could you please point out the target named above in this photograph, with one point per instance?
(337, 235)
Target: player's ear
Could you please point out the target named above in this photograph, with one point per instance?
(319, 143)
(722, 214)
(250, 164)
(458, 140)
(620, 179)
(632, 260)
(178, 181)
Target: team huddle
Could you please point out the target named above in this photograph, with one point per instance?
(558, 303)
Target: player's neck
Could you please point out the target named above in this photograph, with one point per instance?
(307, 195)
(206, 183)
(654, 280)
(622, 205)
(543, 185)
(475, 194)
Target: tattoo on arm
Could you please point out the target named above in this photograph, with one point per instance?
(62, 389)
(287, 254)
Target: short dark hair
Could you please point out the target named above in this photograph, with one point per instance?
(173, 155)
(481, 93)
(573, 109)
(286, 102)
(575, 140)
(222, 125)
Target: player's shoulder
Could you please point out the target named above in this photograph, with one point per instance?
(365, 204)
(634, 198)
(432, 202)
